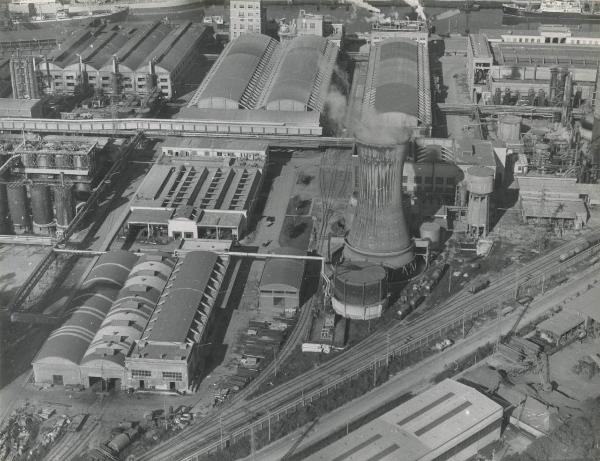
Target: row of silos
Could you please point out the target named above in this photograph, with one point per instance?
(37, 208)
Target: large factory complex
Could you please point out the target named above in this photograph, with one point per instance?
(222, 200)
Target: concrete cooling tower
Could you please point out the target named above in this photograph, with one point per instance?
(379, 232)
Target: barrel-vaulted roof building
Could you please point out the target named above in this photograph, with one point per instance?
(256, 72)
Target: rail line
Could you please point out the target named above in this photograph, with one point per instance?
(205, 437)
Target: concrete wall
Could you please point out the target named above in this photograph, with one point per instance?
(157, 367)
(44, 371)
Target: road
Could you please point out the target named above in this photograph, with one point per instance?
(417, 378)
(206, 433)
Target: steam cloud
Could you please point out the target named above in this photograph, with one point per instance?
(364, 5)
(418, 8)
(384, 129)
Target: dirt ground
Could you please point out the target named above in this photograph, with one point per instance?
(16, 263)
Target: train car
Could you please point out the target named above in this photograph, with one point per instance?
(478, 285)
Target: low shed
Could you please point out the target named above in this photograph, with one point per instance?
(560, 325)
(281, 281)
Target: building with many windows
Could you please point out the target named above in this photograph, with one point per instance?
(115, 59)
(246, 16)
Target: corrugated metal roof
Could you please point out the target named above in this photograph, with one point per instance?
(148, 41)
(396, 77)
(561, 323)
(174, 317)
(235, 67)
(283, 272)
(296, 74)
(71, 340)
(546, 54)
(173, 55)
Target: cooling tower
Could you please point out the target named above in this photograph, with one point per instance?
(379, 230)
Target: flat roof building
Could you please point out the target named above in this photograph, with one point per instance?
(281, 282)
(191, 201)
(20, 108)
(448, 421)
(249, 150)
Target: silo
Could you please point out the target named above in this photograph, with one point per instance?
(19, 211)
(379, 230)
(65, 207)
(359, 290)
(41, 209)
(480, 182)
(4, 213)
(509, 128)
(431, 231)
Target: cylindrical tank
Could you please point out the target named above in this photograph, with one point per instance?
(17, 205)
(480, 180)
(119, 442)
(41, 209)
(28, 159)
(359, 290)
(379, 230)
(81, 162)
(43, 160)
(64, 204)
(431, 231)
(509, 128)
(4, 213)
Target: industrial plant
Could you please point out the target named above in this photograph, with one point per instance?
(219, 224)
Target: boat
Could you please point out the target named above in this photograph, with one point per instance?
(117, 13)
(558, 9)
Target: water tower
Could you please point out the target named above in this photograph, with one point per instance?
(480, 184)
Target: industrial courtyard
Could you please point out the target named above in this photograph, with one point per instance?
(248, 238)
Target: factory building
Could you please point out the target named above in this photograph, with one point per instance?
(257, 72)
(194, 201)
(398, 81)
(448, 421)
(130, 59)
(58, 360)
(137, 322)
(248, 150)
(532, 67)
(552, 200)
(45, 178)
(311, 24)
(281, 282)
(168, 354)
(246, 16)
(398, 28)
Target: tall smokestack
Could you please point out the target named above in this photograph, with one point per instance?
(379, 230)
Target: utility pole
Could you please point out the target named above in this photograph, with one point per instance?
(387, 355)
(221, 428)
(374, 373)
(269, 414)
(275, 359)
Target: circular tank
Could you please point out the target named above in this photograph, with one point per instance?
(65, 208)
(19, 212)
(4, 213)
(359, 289)
(509, 128)
(480, 180)
(431, 231)
(43, 161)
(41, 208)
(81, 162)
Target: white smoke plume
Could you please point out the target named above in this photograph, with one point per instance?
(418, 8)
(364, 5)
(384, 129)
(336, 107)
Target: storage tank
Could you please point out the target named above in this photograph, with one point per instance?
(45, 160)
(19, 211)
(65, 207)
(509, 128)
(359, 290)
(28, 159)
(119, 442)
(480, 180)
(431, 231)
(4, 213)
(41, 209)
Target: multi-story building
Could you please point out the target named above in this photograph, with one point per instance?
(133, 59)
(246, 16)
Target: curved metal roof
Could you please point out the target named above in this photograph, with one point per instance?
(235, 67)
(280, 272)
(112, 267)
(299, 66)
(70, 341)
(396, 77)
(130, 312)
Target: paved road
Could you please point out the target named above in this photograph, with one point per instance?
(416, 378)
(195, 439)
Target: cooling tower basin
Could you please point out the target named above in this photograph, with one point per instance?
(379, 230)
(359, 290)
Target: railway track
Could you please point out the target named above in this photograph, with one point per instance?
(201, 437)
